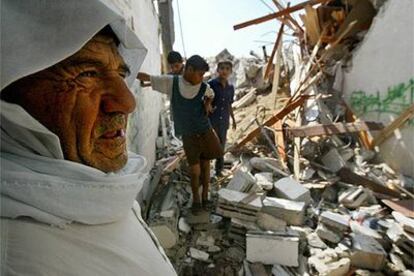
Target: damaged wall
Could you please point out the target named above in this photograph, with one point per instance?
(379, 83)
(143, 124)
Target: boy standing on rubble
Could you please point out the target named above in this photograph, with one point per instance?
(222, 109)
(191, 102)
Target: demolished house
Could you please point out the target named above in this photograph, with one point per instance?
(320, 170)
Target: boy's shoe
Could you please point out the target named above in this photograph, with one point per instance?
(196, 208)
(207, 204)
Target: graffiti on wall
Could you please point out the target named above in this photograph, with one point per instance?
(396, 100)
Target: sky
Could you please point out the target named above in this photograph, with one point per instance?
(207, 26)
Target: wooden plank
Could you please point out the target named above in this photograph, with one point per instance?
(364, 137)
(397, 123)
(279, 116)
(331, 129)
(278, 14)
(405, 207)
(275, 48)
(349, 176)
(312, 27)
(280, 141)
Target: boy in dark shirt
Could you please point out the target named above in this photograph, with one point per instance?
(175, 61)
(191, 102)
(222, 109)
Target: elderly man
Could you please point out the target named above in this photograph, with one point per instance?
(68, 183)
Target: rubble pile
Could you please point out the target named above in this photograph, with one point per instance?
(305, 193)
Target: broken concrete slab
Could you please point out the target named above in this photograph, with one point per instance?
(354, 197)
(291, 189)
(406, 223)
(230, 204)
(264, 180)
(327, 234)
(335, 220)
(269, 223)
(205, 240)
(315, 241)
(267, 164)
(333, 160)
(272, 248)
(242, 181)
(367, 253)
(198, 254)
(292, 212)
(338, 268)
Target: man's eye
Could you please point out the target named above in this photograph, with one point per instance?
(88, 74)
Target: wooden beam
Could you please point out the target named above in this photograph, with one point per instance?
(349, 176)
(289, 17)
(397, 123)
(275, 47)
(331, 129)
(278, 14)
(279, 116)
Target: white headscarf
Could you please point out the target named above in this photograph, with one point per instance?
(36, 181)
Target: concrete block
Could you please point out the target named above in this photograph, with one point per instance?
(333, 160)
(242, 181)
(327, 234)
(292, 212)
(272, 248)
(232, 204)
(198, 254)
(335, 220)
(269, 223)
(354, 197)
(367, 253)
(264, 180)
(205, 240)
(289, 188)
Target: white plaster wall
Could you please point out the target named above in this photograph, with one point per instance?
(385, 59)
(143, 124)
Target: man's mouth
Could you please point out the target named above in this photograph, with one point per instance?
(119, 133)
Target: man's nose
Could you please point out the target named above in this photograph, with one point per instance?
(117, 97)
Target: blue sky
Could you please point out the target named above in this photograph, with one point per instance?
(208, 26)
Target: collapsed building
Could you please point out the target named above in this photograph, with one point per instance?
(320, 170)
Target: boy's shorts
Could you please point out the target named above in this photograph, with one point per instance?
(204, 146)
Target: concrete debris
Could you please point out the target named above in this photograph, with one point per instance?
(230, 205)
(315, 197)
(367, 253)
(272, 248)
(290, 211)
(335, 220)
(289, 188)
(264, 180)
(270, 223)
(355, 197)
(327, 234)
(198, 254)
(242, 181)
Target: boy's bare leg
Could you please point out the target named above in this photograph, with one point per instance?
(195, 183)
(205, 178)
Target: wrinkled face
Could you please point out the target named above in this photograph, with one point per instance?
(176, 67)
(224, 71)
(85, 101)
(193, 76)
